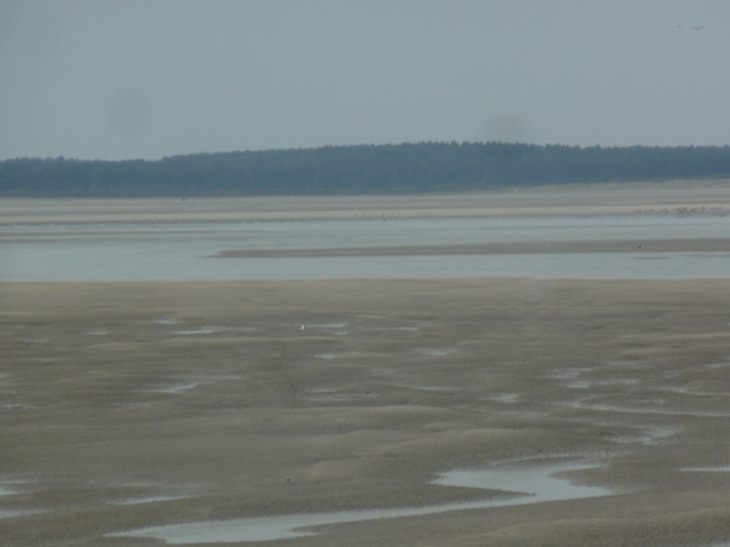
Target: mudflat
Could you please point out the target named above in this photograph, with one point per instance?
(128, 405)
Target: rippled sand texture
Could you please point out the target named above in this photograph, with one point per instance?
(125, 406)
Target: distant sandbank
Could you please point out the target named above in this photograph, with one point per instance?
(677, 197)
(559, 247)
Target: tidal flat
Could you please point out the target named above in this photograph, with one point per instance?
(126, 406)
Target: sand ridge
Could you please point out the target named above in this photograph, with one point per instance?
(546, 247)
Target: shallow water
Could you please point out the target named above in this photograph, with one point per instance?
(435, 352)
(169, 252)
(148, 499)
(192, 332)
(600, 407)
(528, 484)
(175, 388)
(504, 397)
(538, 480)
(19, 513)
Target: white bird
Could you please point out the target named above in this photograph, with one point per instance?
(301, 328)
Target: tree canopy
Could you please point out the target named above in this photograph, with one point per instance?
(359, 169)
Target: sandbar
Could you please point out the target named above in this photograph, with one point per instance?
(672, 197)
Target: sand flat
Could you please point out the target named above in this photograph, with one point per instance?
(546, 247)
(673, 197)
(207, 400)
(596, 371)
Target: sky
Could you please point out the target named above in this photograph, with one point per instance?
(125, 79)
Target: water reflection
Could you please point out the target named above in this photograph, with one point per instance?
(525, 484)
(131, 265)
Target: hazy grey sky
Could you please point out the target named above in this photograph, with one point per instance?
(146, 79)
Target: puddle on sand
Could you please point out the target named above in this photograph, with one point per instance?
(175, 388)
(529, 484)
(426, 388)
(19, 513)
(325, 325)
(387, 329)
(579, 384)
(692, 392)
(335, 396)
(193, 332)
(148, 499)
(651, 436)
(629, 410)
(567, 373)
(437, 352)
(19, 406)
(710, 469)
(503, 397)
(539, 481)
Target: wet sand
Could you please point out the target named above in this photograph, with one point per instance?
(552, 247)
(128, 405)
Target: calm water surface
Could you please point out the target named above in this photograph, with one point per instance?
(526, 484)
(157, 252)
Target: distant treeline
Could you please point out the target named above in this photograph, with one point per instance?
(361, 169)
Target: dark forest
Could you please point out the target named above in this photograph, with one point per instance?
(360, 169)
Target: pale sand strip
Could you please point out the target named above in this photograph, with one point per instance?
(360, 214)
(595, 199)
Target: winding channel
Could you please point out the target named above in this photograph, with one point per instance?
(528, 484)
